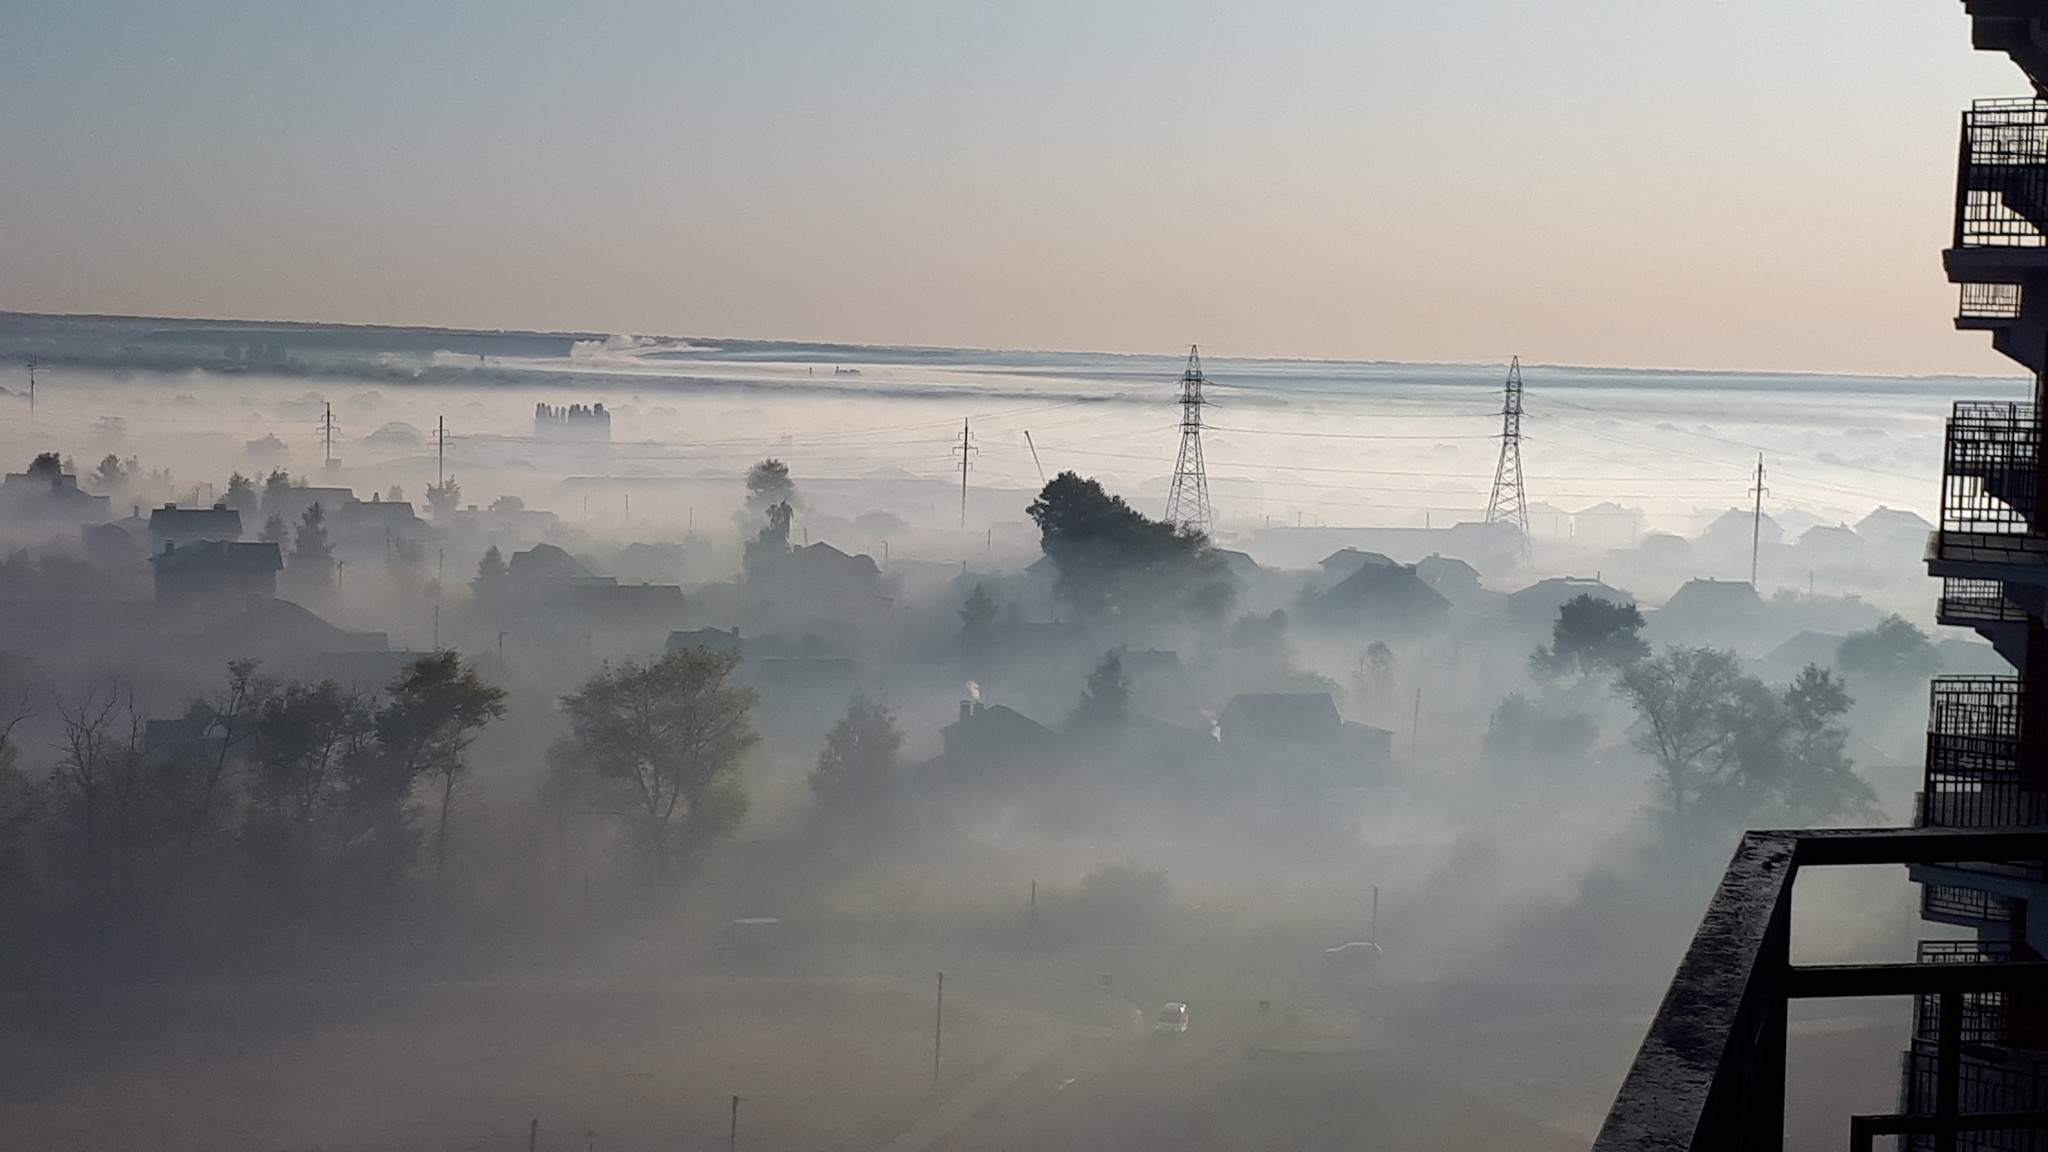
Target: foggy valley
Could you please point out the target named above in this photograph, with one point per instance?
(429, 738)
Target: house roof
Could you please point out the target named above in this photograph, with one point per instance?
(1551, 593)
(1440, 571)
(218, 556)
(220, 521)
(1711, 595)
(1281, 715)
(717, 640)
(545, 562)
(1347, 560)
(1392, 588)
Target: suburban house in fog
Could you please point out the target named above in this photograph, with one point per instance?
(215, 573)
(47, 492)
(290, 503)
(1538, 603)
(1708, 610)
(1384, 597)
(715, 639)
(1299, 738)
(376, 521)
(991, 740)
(183, 527)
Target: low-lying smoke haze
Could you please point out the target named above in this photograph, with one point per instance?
(622, 577)
(1361, 780)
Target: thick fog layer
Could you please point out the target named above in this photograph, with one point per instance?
(435, 739)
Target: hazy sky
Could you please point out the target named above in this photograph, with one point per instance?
(1722, 183)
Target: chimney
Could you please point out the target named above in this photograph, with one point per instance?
(172, 506)
(966, 709)
(221, 507)
(169, 545)
(977, 708)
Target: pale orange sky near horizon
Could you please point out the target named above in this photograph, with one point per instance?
(1735, 185)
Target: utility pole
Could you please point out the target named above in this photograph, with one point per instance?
(1415, 731)
(1187, 503)
(938, 1027)
(1756, 521)
(1034, 456)
(1509, 502)
(31, 394)
(440, 451)
(732, 1140)
(964, 448)
(327, 433)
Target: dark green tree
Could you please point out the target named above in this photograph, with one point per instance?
(769, 484)
(489, 584)
(1732, 751)
(660, 746)
(241, 496)
(1521, 731)
(312, 560)
(1106, 698)
(436, 708)
(977, 631)
(1111, 557)
(855, 781)
(445, 498)
(112, 475)
(1891, 656)
(1592, 636)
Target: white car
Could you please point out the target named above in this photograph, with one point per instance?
(1172, 1018)
(1357, 956)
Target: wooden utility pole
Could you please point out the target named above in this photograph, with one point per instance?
(1756, 522)
(964, 448)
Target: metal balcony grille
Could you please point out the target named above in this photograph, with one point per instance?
(1981, 1086)
(1990, 469)
(1957, 901)
(1974, 757)
(2002, 188)
(1989, 302)
(1965, 601)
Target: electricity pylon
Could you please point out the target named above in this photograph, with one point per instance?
(1187, 504)
(1509, 503)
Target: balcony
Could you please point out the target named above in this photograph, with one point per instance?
(2001, 211)
(1711, 1072)
(1967, 603)
(1974, 757)
(1990, 485)
(1958, 904)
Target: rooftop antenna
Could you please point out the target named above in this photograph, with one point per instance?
(1034, 455)
(1187, 503)
(327, 432)
(1509, 503)
(965, 448)
(1756, 520)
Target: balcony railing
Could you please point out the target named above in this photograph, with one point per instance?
(1966, 601)
(1991, 466)
(1957, 902)
(1711, 1072)
(1989, 302)
(2002, 181)
(1974, 757)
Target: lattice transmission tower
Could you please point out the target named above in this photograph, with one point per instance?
(1187, 505)
(1509, 504)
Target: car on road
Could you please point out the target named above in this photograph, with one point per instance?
(1357, 956)
(1172, 1018)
